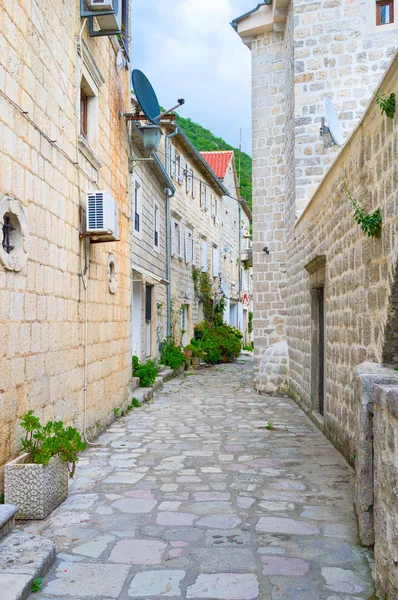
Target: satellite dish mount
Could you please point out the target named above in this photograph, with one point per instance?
(146, 97)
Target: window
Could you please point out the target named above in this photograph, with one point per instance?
(202, 194)
(137, 207)
(216, 262)
(384, 12)
(203, 262)
(83, 114)
(188, 245)
(156, 228)
(176, 240)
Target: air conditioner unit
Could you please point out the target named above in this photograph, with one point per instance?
(102, 216)
(108, 23)
(100, 4)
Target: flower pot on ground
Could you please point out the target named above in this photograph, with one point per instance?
(195, 361)
(37, 481)
(36, 489)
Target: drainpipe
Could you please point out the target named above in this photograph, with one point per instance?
(169, 194)
(240, 267)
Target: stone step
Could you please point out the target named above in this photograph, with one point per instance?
(135, 383)
(23, 558)
(166, 374)
(7, 518)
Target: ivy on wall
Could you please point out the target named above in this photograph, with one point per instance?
(370, 223)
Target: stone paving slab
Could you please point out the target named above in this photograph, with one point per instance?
(190, 497)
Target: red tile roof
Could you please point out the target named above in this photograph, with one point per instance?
(218, 161)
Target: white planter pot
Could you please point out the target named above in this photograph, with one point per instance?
(35, 489)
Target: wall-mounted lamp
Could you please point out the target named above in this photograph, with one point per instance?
(151, 136)
(266, 249)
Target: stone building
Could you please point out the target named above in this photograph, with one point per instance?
(325, 297)
(64, 302)
(205, 225)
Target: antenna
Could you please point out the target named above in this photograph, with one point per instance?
(334, 128)
(147, 98)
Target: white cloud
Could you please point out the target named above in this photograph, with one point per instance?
(188, 49)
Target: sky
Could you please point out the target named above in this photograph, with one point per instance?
(188, 49)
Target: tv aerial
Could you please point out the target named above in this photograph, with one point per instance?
(333, 128)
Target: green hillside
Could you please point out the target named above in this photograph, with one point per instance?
(205, 141)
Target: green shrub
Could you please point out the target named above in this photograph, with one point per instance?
(219, 341)
(146, 372)
(42, 442)
(172, 355)
(249, 347)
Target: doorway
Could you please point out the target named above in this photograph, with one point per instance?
(148, 320)
(136, 319)
(185, 324)
(318, 349)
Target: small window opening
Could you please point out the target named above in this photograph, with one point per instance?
(83, 114)
(156, 233)
(384, 12)
(136, 208)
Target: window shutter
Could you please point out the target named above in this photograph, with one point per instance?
(206, 197)
(202, 194)
(173, 162)
(213, 205)
(174, 240)
(194, 185)
(181, 243)
(182, 169)
(194, 250)
(216, 262)
(204, 256)
(188, 180)
(188, 245)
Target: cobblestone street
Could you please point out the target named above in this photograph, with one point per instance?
(190, 497)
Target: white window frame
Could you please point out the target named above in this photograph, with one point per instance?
(175, 236)
(216, 262)
(137, 205)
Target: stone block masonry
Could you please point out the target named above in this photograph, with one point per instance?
(42, 306)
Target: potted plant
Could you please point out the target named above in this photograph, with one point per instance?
(198, 331)
(37, 481)
(197, 353)
(188, 351)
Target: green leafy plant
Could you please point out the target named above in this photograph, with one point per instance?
(42, 442)
(36, 585)
(370, 223)
(270, 426)
(146, 372)
(116, 411)
(135, 403)
(249, 347)
(1, 498)
(250, 322)
(387, 104)
(172, 355)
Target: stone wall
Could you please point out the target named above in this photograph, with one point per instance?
(269, 284)
(339, 53)
(385, 435)
(359, 271)
(42, 306)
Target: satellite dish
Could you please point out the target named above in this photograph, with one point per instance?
(146, 96)
(334, 125)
